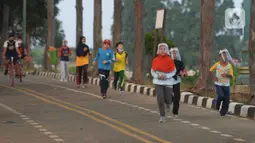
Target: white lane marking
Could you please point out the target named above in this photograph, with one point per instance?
(131, 105)
(239, 139)
(216, 132)
(32, 122)
(48, 133)
(195, 125)
(43, 130)
(226, 135)
(59, 140)
(39, 126)
(205, 128)
(186, 122)
(53, 136)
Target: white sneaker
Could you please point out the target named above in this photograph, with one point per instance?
(162, 120)
(61, 80)
(84, 86)
(176, 116)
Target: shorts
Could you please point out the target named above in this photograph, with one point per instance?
(15, 59)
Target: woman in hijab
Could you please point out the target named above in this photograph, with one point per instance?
(180, 72)
(163, 70)
(82, 61)
(222, 72)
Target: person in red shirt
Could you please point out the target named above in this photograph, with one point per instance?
(63, 55)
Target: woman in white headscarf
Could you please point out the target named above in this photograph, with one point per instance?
(223, 73)
(180, 72)
(163, 70)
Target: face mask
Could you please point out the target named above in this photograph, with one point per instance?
(11, 40)
(83, 42)
(120, 50)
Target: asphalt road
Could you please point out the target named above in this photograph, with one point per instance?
(43, 110)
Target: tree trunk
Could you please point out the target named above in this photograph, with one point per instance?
(4, 24)
(97, 36)
(79, 20)
(53, 25)
(117, 21)
(206, 41)
(251, 50)
(28, 48)
(49, 37)
(139, 41)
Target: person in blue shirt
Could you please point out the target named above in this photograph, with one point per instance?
(104, 58)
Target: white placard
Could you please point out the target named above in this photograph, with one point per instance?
(160, 18)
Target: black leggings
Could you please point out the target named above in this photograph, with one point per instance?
(104, 81)
(82, 71)
(176, 98)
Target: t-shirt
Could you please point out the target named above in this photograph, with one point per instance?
(220, 69)
(120, 65)
(82, 55)
(64, 53)
(10, 48)
(53, 55)
(104, 55)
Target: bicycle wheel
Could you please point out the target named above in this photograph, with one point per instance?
(11, 74)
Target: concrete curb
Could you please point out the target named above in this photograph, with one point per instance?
(237, 109)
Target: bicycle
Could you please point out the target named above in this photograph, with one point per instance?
(12, 71)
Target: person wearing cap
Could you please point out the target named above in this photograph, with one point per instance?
(82, 61)
(63, 55)
(11, 50)
(163, 69)
(223, 73)
(180, 72)
(104, 58)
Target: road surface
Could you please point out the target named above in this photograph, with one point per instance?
(43, 110)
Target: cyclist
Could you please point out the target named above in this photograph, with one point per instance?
(23, 51)
(11, 50)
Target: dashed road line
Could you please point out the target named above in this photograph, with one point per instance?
(142, 108)
(32, 122)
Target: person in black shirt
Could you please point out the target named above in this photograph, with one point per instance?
(180, 72)
(11, 50)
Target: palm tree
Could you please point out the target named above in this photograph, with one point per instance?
(251, 54)
(97, 33)
(79, 20)
(117, 21)
(139, 40)
(206, 41)
(50, 5)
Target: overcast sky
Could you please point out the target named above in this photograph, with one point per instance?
(68, 17)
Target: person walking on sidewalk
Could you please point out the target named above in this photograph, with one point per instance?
(223, 73)
(120, 66)
(82, 61)
(63, 55)
(104, 57)
(163, 70)
(180, 72)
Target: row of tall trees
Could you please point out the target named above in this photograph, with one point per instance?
(40, 13)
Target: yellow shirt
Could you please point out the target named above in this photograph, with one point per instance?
(83, 60)
(120, 65)
(220, 69)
